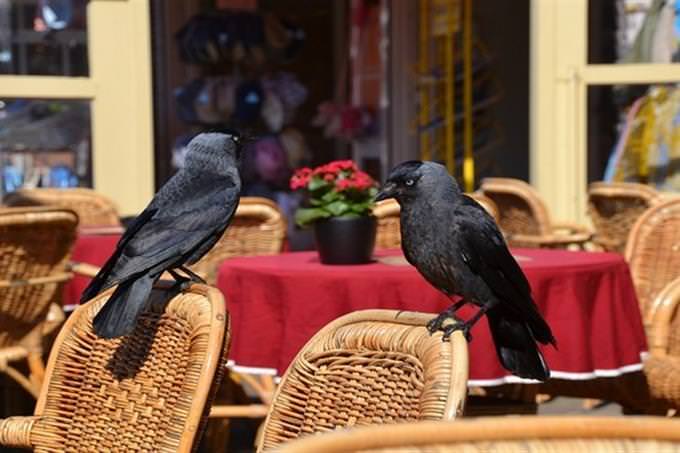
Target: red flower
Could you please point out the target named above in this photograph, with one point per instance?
(301, 178)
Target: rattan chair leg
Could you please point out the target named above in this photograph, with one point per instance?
(22, 381)
(36, 368)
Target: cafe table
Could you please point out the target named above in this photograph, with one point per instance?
(277, 303)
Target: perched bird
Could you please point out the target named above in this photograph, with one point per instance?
(455, 244)
(183, 221)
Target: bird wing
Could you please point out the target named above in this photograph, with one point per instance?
(166, 232)
(485, 252)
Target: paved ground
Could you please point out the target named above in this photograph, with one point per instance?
(575, 406)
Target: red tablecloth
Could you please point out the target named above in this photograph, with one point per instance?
(92, 249)
(278, 302)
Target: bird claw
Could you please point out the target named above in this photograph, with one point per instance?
(462, 326)
(435, 324)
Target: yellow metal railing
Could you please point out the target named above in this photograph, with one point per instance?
(439, 26)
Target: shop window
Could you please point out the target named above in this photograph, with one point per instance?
(43, 37)
(633, 31)
(634, 134)
(44, 143)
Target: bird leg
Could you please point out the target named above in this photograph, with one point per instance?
(435, 324)
(464, 326)
(180, 280)
(193, 276)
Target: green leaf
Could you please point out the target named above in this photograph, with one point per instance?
(338, 208)
(316, 183)
(330, 196)
(362, 208)
(305, 216)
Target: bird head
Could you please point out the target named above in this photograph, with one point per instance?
(414, 179)
(215, 148)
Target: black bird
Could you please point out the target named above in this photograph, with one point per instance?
(455, 244)
(183, 221)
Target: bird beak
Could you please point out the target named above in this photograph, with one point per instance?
(388, 191)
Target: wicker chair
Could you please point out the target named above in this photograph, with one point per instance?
(388, 235)
(388, 232)
(614, 208)
(258, 228)
(504, 434)
(524, 218)
(93, 209)
(653, 253)
(369, 367)
(148, 391)
(486, 202)
(35, 246)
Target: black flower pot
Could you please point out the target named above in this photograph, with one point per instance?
(345, 240)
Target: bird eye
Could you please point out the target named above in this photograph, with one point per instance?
(409, 182)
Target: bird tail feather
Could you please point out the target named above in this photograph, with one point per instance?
(516, 347)
(119, 314)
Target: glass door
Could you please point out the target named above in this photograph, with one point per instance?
(581, 94)
(75, 97)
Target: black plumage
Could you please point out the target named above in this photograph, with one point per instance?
(456, 245)
(184, 220)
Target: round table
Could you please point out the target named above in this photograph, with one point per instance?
(278, 302)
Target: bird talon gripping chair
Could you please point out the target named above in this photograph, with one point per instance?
(524, 218)
(147, 391)
(614, 208)
(369, 367)
(35, 246)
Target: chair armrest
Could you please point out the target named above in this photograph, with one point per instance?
(16, 431)
(658, 321)
(84, 269)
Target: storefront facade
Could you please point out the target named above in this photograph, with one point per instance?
(119, 91)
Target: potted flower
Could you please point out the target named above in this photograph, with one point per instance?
(339, 205)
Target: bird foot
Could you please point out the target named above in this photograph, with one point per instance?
(194, 277)
(436, 323)
(459, 325)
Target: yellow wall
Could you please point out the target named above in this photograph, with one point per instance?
(119, 88)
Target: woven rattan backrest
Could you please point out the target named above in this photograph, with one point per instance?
(258, 228)
(388, 232)
(520, 208)
(504, 434)
(93, 209)
(369, 367)
(35, 246)
(653, 251)
(614, 208)
(149, 391)
(486, 202)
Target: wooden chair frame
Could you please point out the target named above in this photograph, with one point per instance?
(483, 433)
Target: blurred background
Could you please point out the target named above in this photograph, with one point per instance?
(105, 94)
